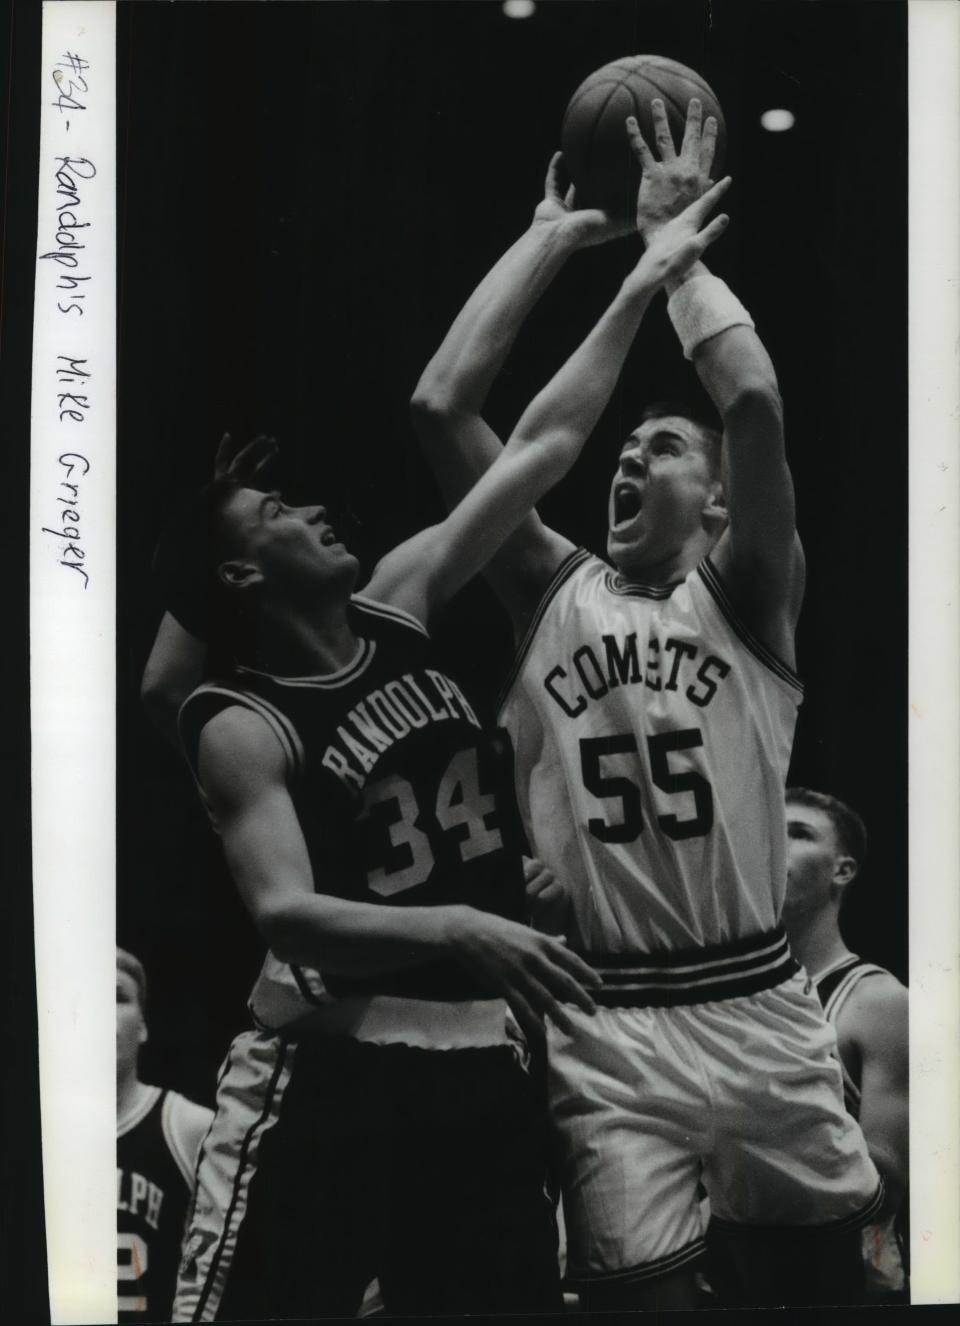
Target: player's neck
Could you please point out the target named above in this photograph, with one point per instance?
(816, 941)
(290, 644)
(669, 569)
(130, 1092)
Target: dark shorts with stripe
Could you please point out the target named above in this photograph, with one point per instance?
(332, 1162)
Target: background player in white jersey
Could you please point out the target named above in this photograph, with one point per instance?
(159, 1134)
(652, 708)
(356, 798)
(865, 1003)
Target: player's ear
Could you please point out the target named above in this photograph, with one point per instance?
(844, 870)
(715, 507)
(237, 574)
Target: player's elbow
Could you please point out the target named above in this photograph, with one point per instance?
(756, 402)
(281, 925)
(435, 405)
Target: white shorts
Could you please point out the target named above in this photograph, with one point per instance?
(743, 1093)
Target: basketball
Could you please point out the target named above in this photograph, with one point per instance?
(594, 137)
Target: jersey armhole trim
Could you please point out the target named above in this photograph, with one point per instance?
(851, 978)
(387, 610)
(277, 721)
(172, 1106)
(563, 573)
(718, 592)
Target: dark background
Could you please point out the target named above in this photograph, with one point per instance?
(308, 193)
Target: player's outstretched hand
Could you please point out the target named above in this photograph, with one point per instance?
(548, 903)
(676, 246)
(247, 462)
(672, 183)
(536, 974)
(585, 226)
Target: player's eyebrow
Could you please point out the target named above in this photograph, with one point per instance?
(673, 434)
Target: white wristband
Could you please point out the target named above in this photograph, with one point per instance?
(703, 307)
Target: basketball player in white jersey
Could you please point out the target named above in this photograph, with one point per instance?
(159, 1134)
(356, 796)
(652, 707)
(866, 1005)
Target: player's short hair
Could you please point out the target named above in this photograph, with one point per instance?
(187, 559)
(711, 434)
(133, 968)
(849, 829)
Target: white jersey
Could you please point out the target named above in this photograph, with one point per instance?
(652, 734)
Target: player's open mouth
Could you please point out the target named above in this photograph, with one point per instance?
(627, 503)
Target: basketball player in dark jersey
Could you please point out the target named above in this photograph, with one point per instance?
(158, 1140)
(867, 1006)
(380, 1121)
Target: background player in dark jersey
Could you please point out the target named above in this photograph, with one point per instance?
(158, 1141)
(867, 1005)
(357, 798)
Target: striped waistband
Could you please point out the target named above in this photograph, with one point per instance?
(694, 975)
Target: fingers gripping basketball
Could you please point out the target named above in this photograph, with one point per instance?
(596, 150)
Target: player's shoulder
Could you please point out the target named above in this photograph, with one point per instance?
(577, 569)
(235, 729)
(722, 606)
(876, 1004)
(577, 575)
(238, 748)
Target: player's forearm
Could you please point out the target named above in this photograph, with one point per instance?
(887, 1136)
(718, 336)
(735, 368)
(354, 938)
(460, 374)
(567, 409)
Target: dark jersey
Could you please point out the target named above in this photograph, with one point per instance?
(402, 796)
(154, 1177)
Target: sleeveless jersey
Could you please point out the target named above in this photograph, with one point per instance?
(402, 797)
(154, 1180)
(885, 1241)
(652, 734)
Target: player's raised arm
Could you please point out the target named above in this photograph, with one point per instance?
(425, 572)
(449, 399)
(241, 769)
(759, 554)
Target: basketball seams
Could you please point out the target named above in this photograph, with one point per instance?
(668, 100)
(598, 118)
(592, 129)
